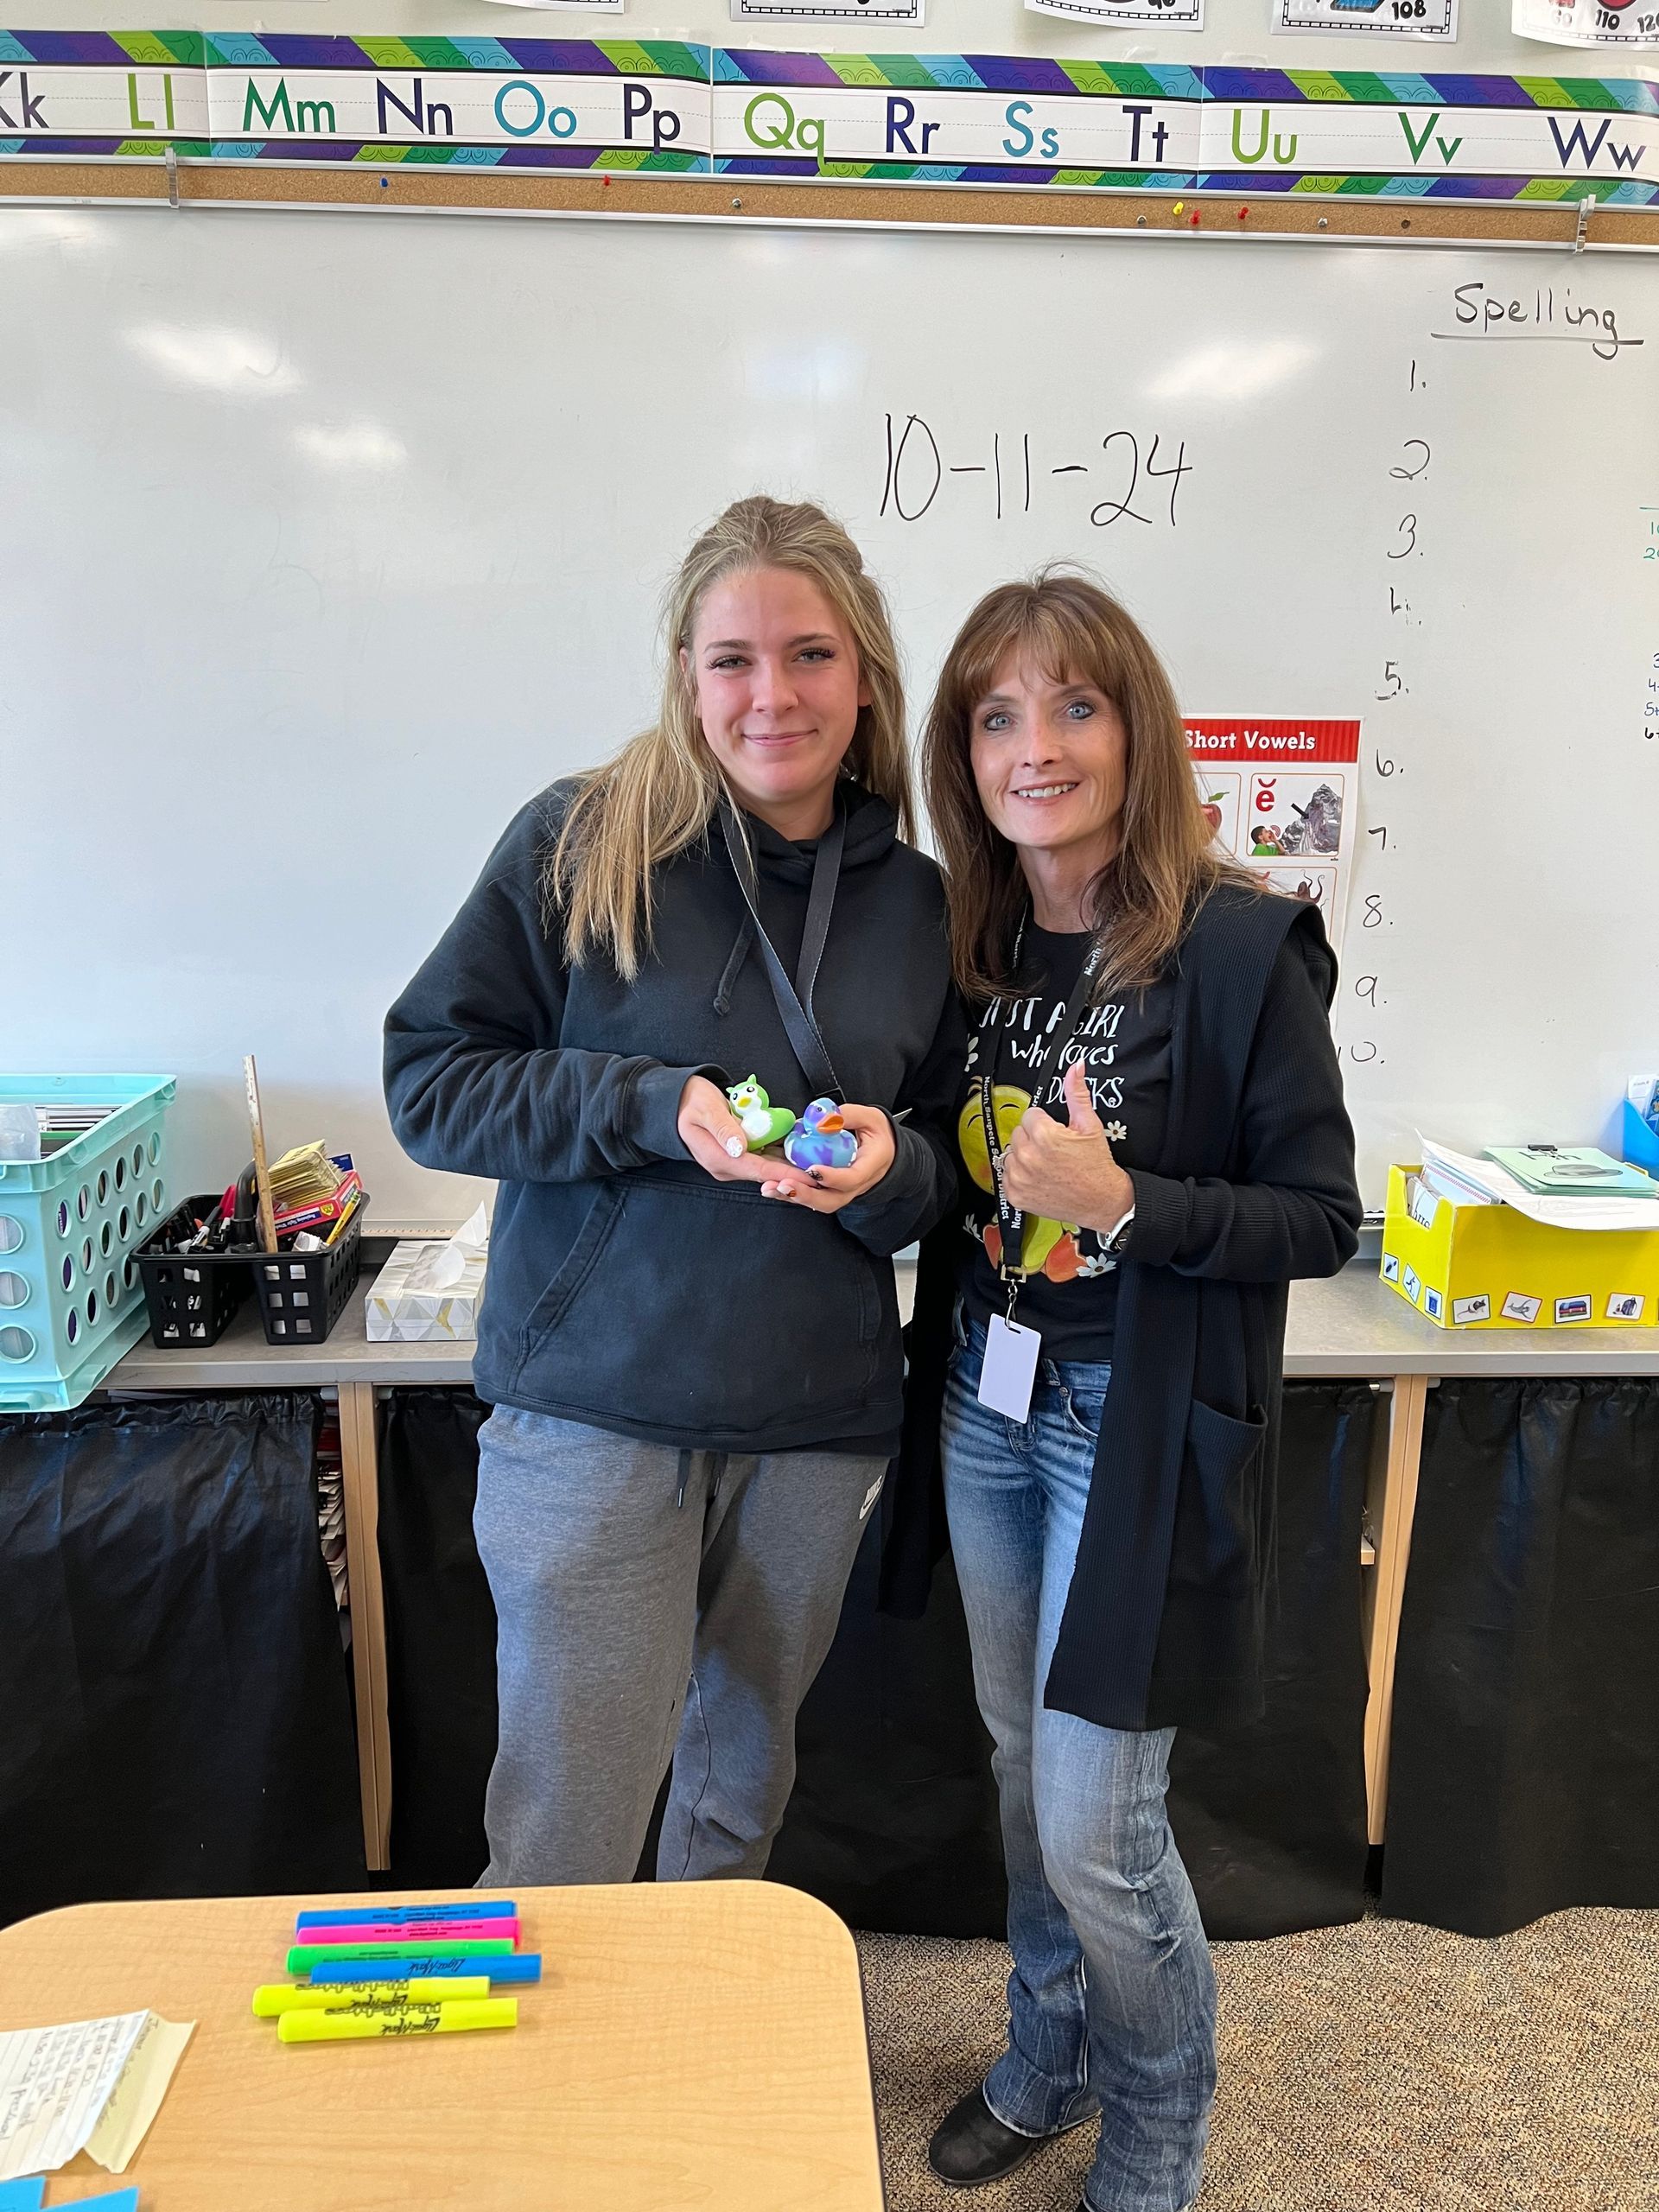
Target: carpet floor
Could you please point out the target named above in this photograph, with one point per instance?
(1378, 2067)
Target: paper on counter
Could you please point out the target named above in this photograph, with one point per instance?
(1554, 1213)
(445, 1264)
(93, 2086)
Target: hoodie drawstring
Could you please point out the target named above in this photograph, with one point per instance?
(740, 954)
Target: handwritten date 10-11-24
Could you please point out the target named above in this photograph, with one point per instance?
(1140, 473)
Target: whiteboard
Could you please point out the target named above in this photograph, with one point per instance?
(332, 536)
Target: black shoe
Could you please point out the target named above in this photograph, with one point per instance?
(971, 2146)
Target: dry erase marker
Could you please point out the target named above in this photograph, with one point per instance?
(515, 1966)
(402, 2020)
(303, 1956)
(363, 1932)
(275, 1998)
(349, 1915)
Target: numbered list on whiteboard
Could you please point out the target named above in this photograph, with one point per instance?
(1281, 796)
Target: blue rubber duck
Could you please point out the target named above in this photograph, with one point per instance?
(821, 1138)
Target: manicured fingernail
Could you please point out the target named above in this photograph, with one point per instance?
(734, 1146)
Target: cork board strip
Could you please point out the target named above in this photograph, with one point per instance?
(746, 199)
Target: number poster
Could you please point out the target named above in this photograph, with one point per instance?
(1435, 19)
(1281, 796)
(1589, 22)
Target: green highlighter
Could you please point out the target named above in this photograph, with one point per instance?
(303, 1956)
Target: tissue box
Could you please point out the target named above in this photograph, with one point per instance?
(1492, 1268)
(396, 1315)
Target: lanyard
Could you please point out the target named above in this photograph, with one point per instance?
(1011, 1219)
(794, 1000)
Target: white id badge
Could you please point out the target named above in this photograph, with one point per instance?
(1009, 1374)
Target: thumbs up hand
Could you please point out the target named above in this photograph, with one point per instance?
(1064, 1170)
(1079, 1106)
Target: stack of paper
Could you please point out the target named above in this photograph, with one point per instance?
(1454, 1175)
(93, 2086)
(303, 1177)
(1449, 1175)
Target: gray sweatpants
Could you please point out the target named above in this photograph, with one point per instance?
(632, 1625)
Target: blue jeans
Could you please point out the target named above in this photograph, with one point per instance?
(1112, 1999)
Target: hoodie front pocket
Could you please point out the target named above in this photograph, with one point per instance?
(703, 1308)
(591, 1239)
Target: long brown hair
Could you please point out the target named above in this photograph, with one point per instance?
(1141, 902)
(659, 794)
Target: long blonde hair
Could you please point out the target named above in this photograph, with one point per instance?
(1141, 902)
(659, 794)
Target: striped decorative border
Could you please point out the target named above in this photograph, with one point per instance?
(600, 57)
(1030, 74)
(715, 82)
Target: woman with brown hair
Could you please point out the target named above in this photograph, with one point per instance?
(1153, 1128)
(691, 1349)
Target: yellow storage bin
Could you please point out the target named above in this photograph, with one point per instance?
(1492, 1268)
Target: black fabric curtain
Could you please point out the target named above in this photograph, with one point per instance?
(176, 1714)
(1524, 1769)
(894, 1818)
(1271, 1818)
(440, 1639)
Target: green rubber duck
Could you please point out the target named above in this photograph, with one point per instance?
(762, 1122)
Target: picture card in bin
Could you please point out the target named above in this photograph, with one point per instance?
(430, 1293)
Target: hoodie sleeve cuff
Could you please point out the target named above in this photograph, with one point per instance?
(888, 1216)
(1160, 1218)
(654, 1109)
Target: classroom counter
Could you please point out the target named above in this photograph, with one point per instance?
(1351, 1326)
(1507, 1472)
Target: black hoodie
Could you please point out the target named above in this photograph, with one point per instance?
(627, 1287)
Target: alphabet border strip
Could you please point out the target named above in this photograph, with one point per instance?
(664, 105)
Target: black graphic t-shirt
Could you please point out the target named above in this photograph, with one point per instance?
(1071, 1292)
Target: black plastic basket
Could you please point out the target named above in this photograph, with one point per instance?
(192, 1297)
(303, 1294)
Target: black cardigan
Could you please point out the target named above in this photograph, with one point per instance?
(1164, 1625)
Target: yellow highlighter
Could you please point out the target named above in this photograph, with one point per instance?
(276, 1998)
(325, 2026)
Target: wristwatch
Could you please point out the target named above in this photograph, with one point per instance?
(1117, 1235)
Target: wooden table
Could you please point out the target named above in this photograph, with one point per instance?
(690, 2044)
(1351, 1327)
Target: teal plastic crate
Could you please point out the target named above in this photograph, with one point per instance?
(71, 1301)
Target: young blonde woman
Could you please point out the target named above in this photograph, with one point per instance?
(1155, 1145)
(691, 1351)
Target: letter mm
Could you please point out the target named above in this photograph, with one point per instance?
(280, 104)
(310, 112)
